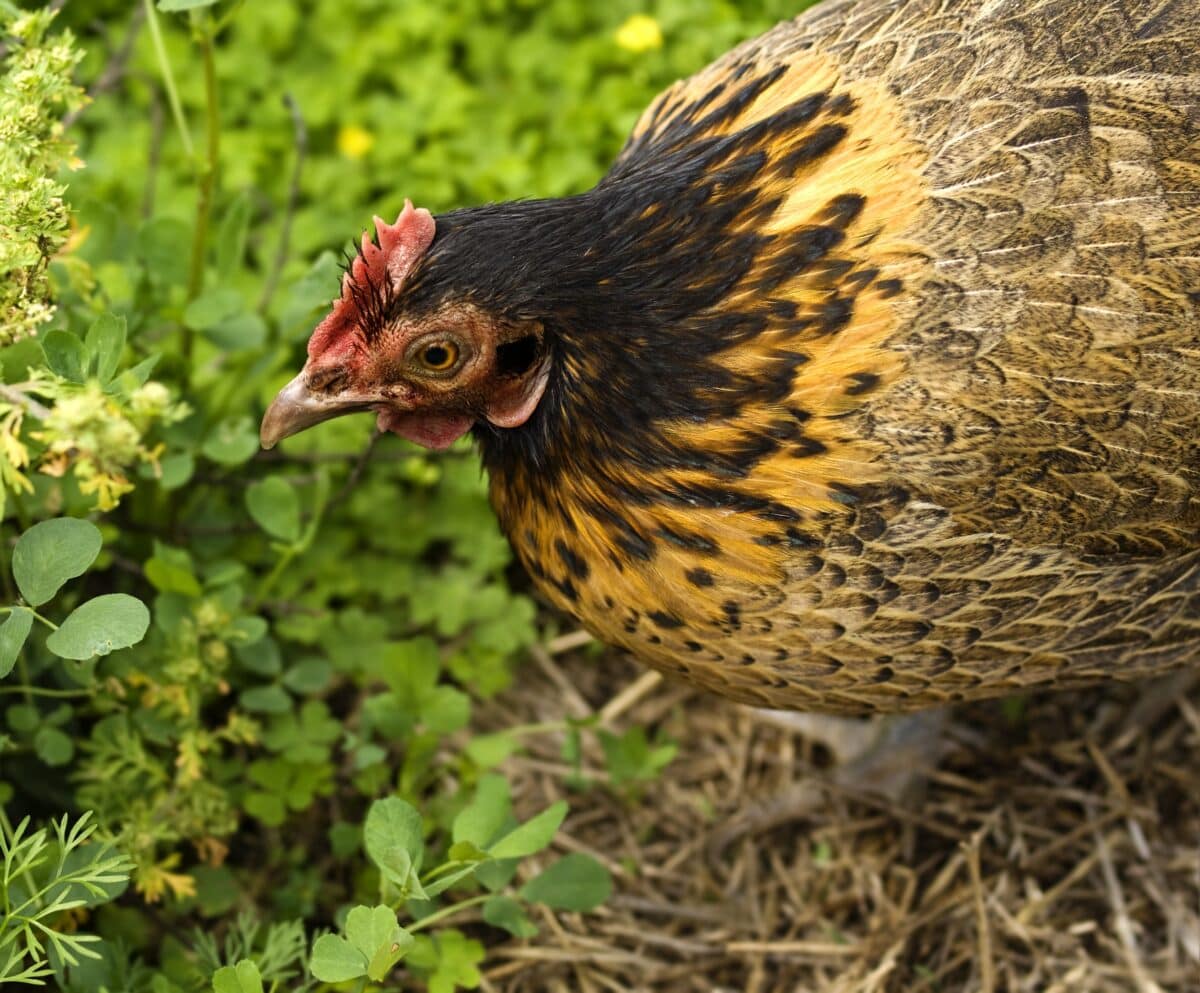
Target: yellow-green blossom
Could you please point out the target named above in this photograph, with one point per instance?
(36, 91)
(100, 436)
(354, 142)
(640, 33)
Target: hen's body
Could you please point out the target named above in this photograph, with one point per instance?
(876, 359)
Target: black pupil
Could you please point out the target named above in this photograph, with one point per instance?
(437, 355)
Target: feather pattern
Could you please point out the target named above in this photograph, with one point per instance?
(879, 361)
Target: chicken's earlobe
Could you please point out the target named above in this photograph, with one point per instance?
(511, 404)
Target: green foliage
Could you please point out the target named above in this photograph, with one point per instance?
(486, 844)
(36, 89)
(48, 874)
(632, 760)
(44, 558)
(574, 882)
(251, 958)
(374, 943)
(50, 553)
(253, 674)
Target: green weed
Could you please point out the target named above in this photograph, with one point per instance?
(248, 677)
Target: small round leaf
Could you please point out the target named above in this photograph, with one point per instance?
(394, 836)
(334, 960)
(52, 746)
(481, 820)
(13, 633)
(309, 675)
(50, 553)
(99, 626)
(376, 934)
(241, 978)
(507, 913)
(232, 441)
(103, 346)
(275, 508)
(532, 836)
(65, 355)
(574, 882)
(211, 308)
(238, 333)
(265, 700)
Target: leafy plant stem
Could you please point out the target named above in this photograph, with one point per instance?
(24, 519)
(450, 911)
(43, 691)
(446, 867)
(164, 64)
(300, 132)
(228, 16)
(26, 687)
(15, 395)
(272, 577)
(298, 547)
(45, 620)
(207, 173)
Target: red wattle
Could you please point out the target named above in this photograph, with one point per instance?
(435, 431)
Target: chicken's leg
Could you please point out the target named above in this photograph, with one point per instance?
(887, 756)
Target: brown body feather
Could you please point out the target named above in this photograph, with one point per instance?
(867, 379)
(956, 450)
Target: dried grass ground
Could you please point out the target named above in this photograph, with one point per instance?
(1053, 850)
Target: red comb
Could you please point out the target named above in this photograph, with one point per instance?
(377, 268)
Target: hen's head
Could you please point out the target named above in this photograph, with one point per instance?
(430, 364)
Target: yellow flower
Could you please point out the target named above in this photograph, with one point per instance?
(155, 881)
(14, 456)
(79, 234)
(212, 851)
(640, 33)
(354, 142)
(188, 759)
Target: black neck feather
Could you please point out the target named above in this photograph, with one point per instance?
(633, 282)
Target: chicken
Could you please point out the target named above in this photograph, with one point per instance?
(867, 379)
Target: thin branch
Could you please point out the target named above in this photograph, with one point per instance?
(168, 76)
(114, 71)
(19, 398)
(356, 473)
(153, 155)
(195, 530)
(300, 133)
(207, 173)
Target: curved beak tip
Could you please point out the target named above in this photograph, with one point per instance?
(273, 428)
(295, 409)
(292, 410)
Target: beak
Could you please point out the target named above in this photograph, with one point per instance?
(296, 408)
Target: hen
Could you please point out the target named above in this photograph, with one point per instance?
(867, 378)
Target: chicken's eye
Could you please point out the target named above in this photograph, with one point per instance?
(438, 356)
